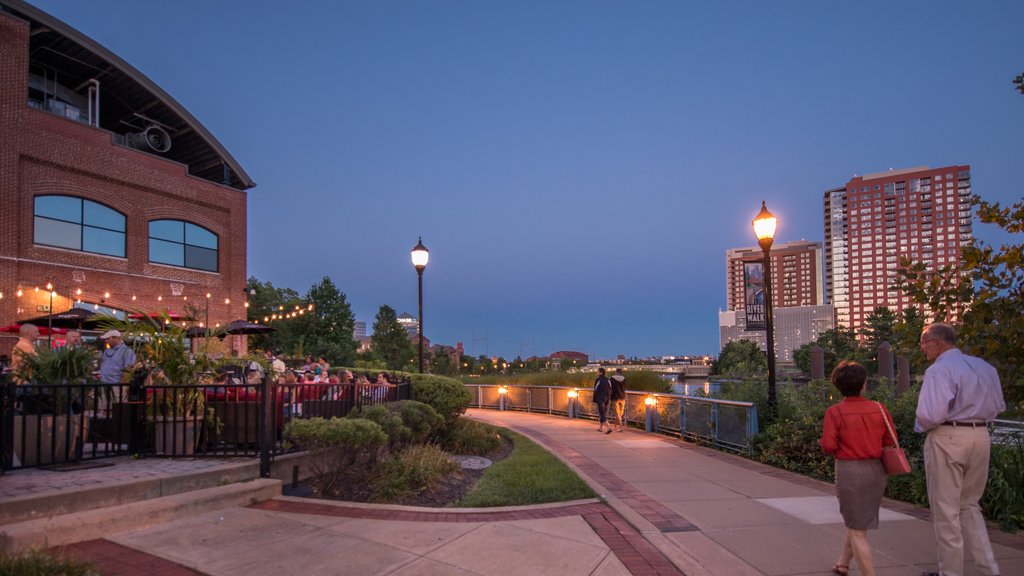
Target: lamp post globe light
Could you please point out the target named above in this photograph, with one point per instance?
(764, 229)
(420, 256)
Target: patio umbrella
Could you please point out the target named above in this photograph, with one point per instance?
(197, 332)
(43, 330)
(244, 327)
(73, 318)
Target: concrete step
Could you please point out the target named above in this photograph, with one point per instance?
(123, 491)
(57, 530)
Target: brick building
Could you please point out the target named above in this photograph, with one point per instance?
(111, 191)
(796, 274)
(922, 213)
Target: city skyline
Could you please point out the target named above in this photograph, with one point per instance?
(577, 170)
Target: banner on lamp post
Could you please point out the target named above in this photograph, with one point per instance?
(753, 295)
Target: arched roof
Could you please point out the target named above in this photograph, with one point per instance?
(129, 101)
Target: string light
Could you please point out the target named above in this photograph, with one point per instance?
(78, 292)
(246, 304)
(19, 292)
(227, 301)
(159, 298)
(133, 297)
(106, 294)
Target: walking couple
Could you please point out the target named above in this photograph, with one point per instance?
(610, 390)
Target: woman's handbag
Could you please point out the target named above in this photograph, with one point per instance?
(893, 459)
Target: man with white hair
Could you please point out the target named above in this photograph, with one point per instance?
(26, 346)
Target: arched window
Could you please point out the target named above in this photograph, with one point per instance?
(79, 224)
(181, 243)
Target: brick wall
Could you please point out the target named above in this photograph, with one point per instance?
(44, 154)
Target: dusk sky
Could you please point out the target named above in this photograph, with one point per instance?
(577, 169)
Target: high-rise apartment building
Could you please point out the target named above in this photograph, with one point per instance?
(922, 213)
(796, 274)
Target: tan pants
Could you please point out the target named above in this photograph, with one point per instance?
(956, 468)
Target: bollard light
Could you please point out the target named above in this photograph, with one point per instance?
(502, 396)
(574, 393)
(650, 401)
(502, 390)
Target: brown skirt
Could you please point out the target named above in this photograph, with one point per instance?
(861, 485)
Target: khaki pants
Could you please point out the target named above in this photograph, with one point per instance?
(956, 468)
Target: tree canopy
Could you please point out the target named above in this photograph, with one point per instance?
(391, 341)
(742, 359)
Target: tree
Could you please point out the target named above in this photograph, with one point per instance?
(989, 288)
(441, 363)
(906, 338)
(329, 323)
(742, 359)
(391, 341)
(836, 344)
(265, 301)
(878, 327)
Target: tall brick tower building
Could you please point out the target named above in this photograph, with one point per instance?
(111, 191)
(921, 212)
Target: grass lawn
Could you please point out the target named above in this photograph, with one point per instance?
(530, 475)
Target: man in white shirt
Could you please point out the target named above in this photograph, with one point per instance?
(961, 394)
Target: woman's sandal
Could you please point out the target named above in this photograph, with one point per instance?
(840, 569)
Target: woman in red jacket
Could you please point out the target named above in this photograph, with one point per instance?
(854, 433)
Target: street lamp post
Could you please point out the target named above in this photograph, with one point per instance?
(764, 229)
(420, 255)
(49, 317)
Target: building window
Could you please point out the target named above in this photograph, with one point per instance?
(182, 244)
(79, 224)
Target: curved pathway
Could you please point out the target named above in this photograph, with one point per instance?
(667, 507)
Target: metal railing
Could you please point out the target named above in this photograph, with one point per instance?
(720, 423)
(55, 425)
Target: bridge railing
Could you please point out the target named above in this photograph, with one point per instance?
(720, 423)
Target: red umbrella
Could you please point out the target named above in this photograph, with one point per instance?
(43, 330)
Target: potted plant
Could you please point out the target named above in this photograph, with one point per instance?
(51, 426)
(176, 400)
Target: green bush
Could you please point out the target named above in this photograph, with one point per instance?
(391, 423)
(465, 436)
(447, 396)
(420, 419)
(410, 471)
(1004, 496)
(335, 444)
(38, 563)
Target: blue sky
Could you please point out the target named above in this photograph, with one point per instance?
(577, 169)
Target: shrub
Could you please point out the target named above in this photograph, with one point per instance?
(391, 423)
(38, 563)
(465, 436)
(420, 419)
(335, 444)
(447, 396)
(410, 471)
(1004, 496)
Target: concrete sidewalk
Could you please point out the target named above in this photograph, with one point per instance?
(716, 513)
(668, 508)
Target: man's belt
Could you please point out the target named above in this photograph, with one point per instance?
(965, 424)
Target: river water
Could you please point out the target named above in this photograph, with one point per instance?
(691, 386)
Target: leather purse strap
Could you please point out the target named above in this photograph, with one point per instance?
(887, 425)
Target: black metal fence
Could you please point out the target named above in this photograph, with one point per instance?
(55, 425)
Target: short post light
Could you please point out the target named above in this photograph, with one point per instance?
(651, 413)
(502, 397)
(420, 256)
(764, 228)
(573, 398)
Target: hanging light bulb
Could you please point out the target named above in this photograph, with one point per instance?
(227, 301)
(19, 292)
(159, 298)
(37, 288)
(246, 304)
(106, 294)
(95, 306)
(184, 298)
(133, 297)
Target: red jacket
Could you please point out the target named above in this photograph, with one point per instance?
(854, 429)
